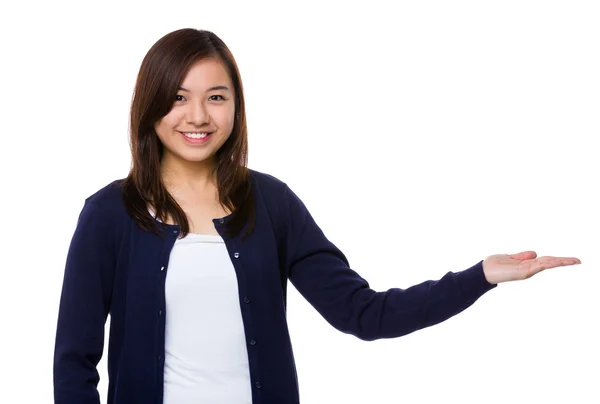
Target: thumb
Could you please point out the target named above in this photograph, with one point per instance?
(524, 255)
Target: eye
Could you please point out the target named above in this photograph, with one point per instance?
(222, 98)
(177, 97)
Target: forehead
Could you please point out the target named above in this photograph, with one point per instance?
(205, 74)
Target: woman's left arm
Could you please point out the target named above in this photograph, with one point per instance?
(321, 273)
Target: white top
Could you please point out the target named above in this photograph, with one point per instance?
(206, 357)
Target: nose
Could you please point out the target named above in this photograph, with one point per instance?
(197, 114)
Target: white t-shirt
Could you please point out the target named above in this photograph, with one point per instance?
(206, 357)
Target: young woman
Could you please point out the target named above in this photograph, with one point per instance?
(191, 254)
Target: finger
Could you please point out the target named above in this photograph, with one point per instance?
(557, 261)
(537, 265)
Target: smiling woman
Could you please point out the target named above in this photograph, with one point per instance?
(191, 255)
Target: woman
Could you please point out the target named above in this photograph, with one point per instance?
(191, 254)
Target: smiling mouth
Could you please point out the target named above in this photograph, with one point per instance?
(196, 135)
(196, 138)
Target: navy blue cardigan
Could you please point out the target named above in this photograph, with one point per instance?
(113, 267)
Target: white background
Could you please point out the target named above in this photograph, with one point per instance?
(422, 136)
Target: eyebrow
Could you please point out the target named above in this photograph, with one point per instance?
(210, 89)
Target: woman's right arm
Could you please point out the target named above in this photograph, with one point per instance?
(84, 306)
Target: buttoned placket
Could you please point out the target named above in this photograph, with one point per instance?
(162, 299)
(246, 300)
(245, 313)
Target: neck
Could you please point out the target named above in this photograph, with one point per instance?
(180, 174)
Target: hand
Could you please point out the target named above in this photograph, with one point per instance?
(515, 267)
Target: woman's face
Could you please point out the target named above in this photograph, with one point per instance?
(204, 103)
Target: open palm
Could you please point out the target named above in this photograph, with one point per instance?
(513, 267)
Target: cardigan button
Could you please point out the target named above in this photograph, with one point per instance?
(236, 255)
(221, 220)
(258, 385)
(246, 300)
(252, 342)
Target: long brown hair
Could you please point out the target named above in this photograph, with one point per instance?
(161, 74)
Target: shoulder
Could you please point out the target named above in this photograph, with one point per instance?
(108, 200)
(109, 195)
(271, 188)
(283, 203)
(267, 183)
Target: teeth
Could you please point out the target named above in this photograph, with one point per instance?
(198, 135)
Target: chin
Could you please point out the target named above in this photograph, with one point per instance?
(197, 158)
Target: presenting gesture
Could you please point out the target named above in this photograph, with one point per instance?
(514, 267)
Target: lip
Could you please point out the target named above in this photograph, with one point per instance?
(196, 141)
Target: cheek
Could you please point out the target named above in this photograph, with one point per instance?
(161, 129)
(231, 119)
(171, 120)
(166, 125)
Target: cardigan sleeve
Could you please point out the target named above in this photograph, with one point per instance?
(321, 274)
(84, 305)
